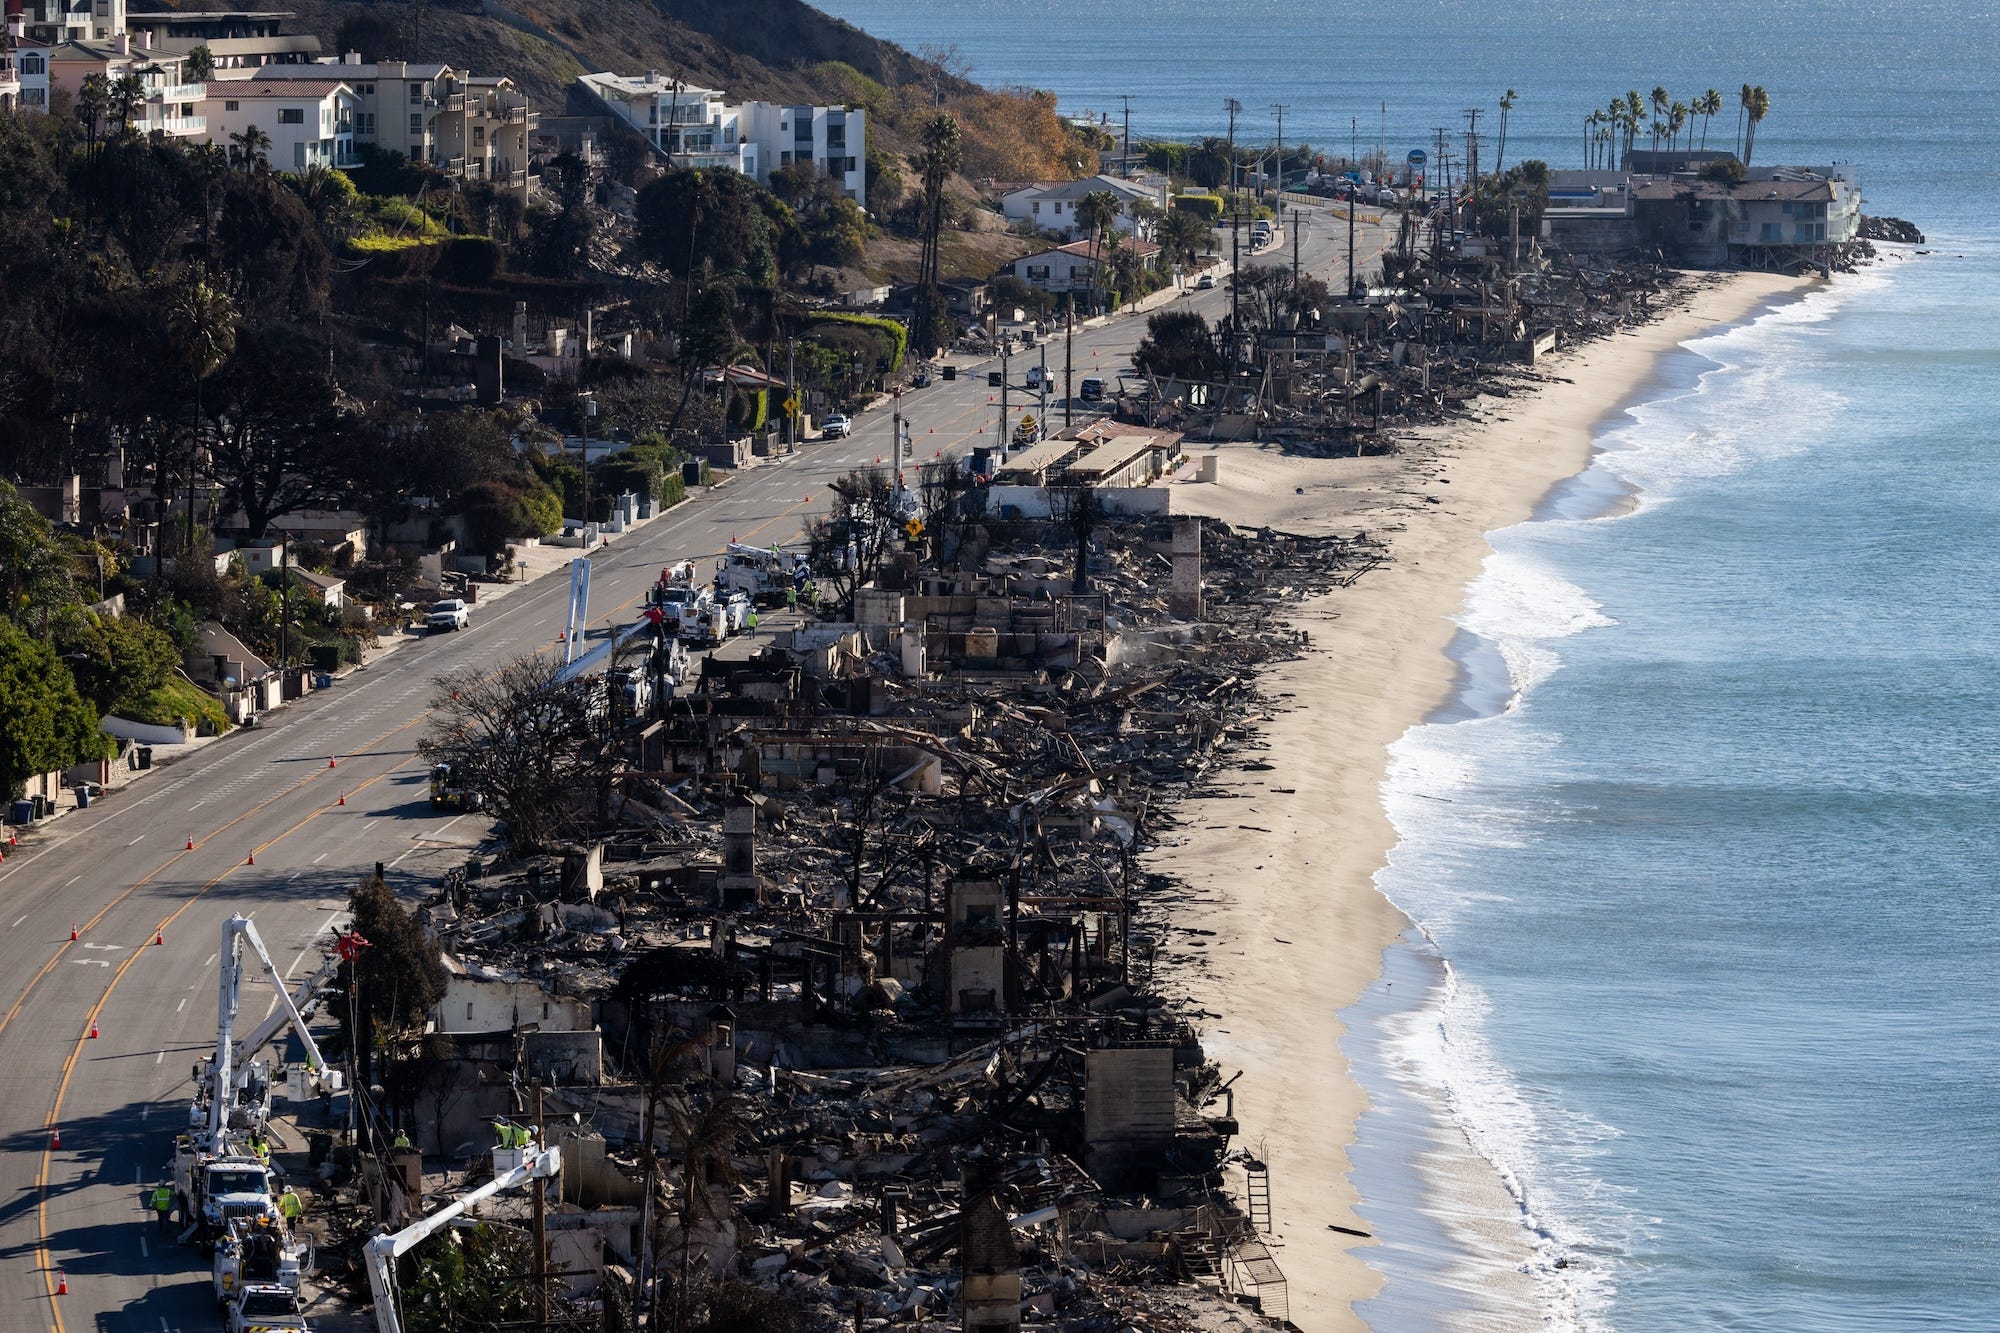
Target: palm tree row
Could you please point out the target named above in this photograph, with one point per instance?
(1662, 117)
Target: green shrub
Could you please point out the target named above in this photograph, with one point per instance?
(893, 330)
(1208, 206)
(173, 703)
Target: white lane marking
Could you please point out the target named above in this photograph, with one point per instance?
(136, 841)
(161, 1056)
(182, 1005)
(71, 880)
(294, 875)
(198, 805)
(90, 962)
(210, 963)
(18, 920)
(321, 857)
(145, 1109)
(370, 824)
(103, 946)
(144, 1253)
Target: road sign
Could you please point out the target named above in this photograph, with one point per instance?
(791, 405)
(1418, 157)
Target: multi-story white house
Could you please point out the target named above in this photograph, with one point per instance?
(476, 128)
(24, 69)
(1052, 208)
(169, 106)
(239, 42)
(54, 21)
(701, 128)
(309, 123)
(832, 138)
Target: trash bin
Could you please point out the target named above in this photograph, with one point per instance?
(42, 808)
(323, 681)
(142, 756)
(950, 372)
(82, 797)
(23, 812)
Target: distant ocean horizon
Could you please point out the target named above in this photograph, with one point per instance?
(1703, 859)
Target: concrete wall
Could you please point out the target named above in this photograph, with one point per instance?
(478, 1004)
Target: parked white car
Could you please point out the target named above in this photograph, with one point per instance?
(451, 613)
(836, 427)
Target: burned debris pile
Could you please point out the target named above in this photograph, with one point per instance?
(848, 993)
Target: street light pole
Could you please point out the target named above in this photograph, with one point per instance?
(589, 411)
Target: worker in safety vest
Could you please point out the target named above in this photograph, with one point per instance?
(402, 1140)
(259, 1148)
(163, 1205)
(290, 1206)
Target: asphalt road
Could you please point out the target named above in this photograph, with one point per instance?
(123, 874)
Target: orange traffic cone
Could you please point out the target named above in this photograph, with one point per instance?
(331, 762)
(159, 937)
(343, 799)
(13, 839)
(62, 1283)
(93, 1029)
(190, 842)
(251, 860)
(72, 932)
(55, 1139)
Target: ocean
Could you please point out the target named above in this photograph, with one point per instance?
(1702, 857)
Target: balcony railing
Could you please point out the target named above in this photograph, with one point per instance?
(515, 115)
(452, 101)
(172, 125)
(451, 166)
(177, 92)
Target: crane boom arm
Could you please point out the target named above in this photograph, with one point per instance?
(383, 1251)
(285, 1006)
(304, 999)
(603, 652)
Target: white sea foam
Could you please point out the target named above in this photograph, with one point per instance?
(1733, 413)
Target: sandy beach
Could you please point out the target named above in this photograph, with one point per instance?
(1282, 871)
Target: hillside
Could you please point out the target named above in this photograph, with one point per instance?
(773, 50)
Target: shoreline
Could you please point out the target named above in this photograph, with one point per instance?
(1299, 927)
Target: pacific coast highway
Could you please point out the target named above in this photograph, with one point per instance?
(328, 787)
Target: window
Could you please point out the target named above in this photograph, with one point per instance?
(784, 159)
(1038, 207)
(416, 92)
(1038, 273)
(364, 124)
(416, 123)
(468, 1011)
(232, 106)
(366, 90)
(479, 136)
(291, 115)
(31, 64)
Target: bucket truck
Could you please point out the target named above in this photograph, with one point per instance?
(218, 1173)
(764, 574)
(511, 1167)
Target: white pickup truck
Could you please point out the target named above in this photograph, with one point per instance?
(451, 613)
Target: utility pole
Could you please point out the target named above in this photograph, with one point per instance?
(284, 608)
(896, 435)
(1236, 261)
(792, 396)
(1351, 211)
(1354, 141)
(1472, 115)
(1042, 399)
(1003, 397)
(541, 1227)
(1278, 193)
(1233, 107)
(1069, 359)
(589, 411)
(1125, 158)
(1296, 215)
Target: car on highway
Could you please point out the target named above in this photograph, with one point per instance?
(922, 379)
(449, 614)
(836, 427)
(1090, 389)
(1206, 282)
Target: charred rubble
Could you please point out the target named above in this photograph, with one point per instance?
(850, 995)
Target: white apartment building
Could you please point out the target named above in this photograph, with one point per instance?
(700, 128)
(1052, 208)
(474, 128)
(310, 124)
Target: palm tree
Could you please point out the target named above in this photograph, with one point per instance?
(1500, 154)
(1635, 112)
(1660, 101)
(200, 66)
(126, 92)
(201, 329)
(1760, 107)
(1709, 105)
(248, 149)
(1742, 105)
(1096, 212)
(95, 95)
(1590, 124)
(1678, 117)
